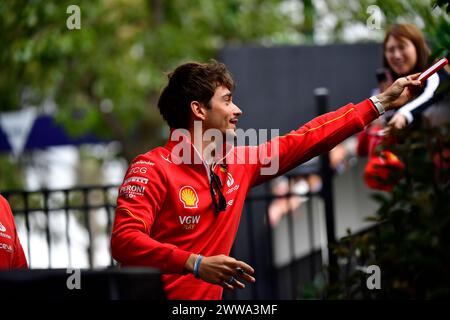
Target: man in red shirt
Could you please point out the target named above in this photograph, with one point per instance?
(11, 252)
(180, 205)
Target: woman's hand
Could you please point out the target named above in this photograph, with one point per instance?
(398, 121)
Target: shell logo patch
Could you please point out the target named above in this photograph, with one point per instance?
(189, 198)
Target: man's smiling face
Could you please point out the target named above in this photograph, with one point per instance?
(222, 113)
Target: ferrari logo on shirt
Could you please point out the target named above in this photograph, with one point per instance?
(189, 198)
(230, 180)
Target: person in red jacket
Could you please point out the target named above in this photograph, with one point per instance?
(11, 252)
(179, 205)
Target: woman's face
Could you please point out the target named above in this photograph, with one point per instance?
(401, 55)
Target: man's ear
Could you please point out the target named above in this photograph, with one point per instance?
(198, 110)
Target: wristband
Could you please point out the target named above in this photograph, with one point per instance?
(197, 265)
(378, 105)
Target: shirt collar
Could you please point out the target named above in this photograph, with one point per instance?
(180, 142)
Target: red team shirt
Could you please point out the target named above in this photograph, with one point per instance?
(165, 210)
(11, 252)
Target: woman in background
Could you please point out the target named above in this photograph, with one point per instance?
(405, 52)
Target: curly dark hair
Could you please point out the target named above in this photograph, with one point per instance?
(189, 82)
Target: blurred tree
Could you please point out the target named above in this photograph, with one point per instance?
(430, 15)
(444, 4)
(106, 77)
(12, 176)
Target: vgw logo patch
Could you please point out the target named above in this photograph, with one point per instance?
(189, 222)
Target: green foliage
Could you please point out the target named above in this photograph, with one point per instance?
(444, 4)
(11, 175)
(433, 19)
(410, 243)
(106, 77)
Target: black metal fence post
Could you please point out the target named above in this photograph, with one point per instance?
(274, 278)
(67, 216)
(251, 243)
(87, 222)
(291, 240)
(26, 207)
(321, 97)
(46, 207)
(109, 220)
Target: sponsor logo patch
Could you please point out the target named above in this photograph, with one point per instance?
(188, 197)
(4, 235)
(166, 158)
(3, 229)
(6, 247)
(148, 163)
(230, 180)
(131, 191)
(189, 222)
(136, 179)
(137, 170)
(236, 187)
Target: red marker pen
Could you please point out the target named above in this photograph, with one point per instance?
(434, 68)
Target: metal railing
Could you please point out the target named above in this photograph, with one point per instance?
(277, 281)
(76, 208)
(35, 210)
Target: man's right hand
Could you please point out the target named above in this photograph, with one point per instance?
(223, 270)
(403, 90)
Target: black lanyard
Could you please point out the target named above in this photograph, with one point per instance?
(215, 187)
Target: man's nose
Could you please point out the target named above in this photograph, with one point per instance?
(237, 111)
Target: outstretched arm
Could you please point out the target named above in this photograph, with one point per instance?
(326, 131)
